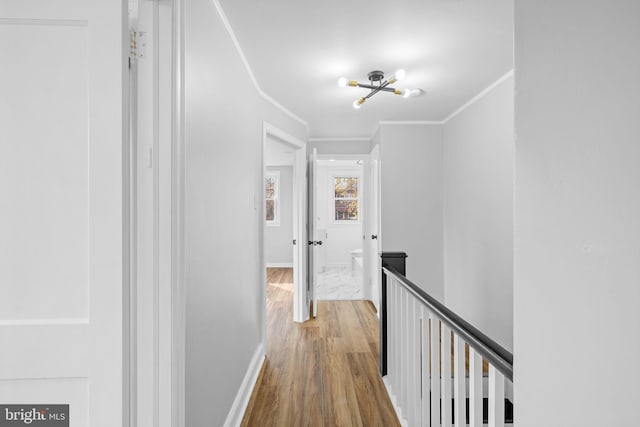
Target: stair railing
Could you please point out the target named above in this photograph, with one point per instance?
(434, 361)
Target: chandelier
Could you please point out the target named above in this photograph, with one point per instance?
(377, 83)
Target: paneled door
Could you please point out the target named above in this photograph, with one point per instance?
(64, 207)
(374, 226)
(314, 237)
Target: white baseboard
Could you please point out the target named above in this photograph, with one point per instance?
(392, 396)
(279, 265)
(234, 418)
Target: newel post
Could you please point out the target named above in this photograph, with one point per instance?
(395, 260)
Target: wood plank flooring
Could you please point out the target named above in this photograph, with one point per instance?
(320, 373)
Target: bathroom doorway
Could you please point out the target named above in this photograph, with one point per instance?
(340, 219)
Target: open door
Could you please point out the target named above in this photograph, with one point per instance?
(64, 171)
(300, 234)
(314, 240)
(273, 140)
(374, 227)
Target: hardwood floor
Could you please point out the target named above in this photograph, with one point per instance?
(320, 373)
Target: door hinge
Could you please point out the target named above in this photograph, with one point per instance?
(138, 45)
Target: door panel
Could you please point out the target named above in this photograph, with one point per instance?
(63, 256)
(313, 231)
(374, 224)
(300, 284)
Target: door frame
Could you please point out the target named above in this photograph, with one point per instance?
(365, 204)
(373, 258)
(158, 294)
(300, 291)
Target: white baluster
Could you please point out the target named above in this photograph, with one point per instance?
(403, 351)
(475, 389)
(417, 362)
(407, 354)
(496, 398)
(435, 370)
(391, 336)
(411, 372)
(398, 342)
(459, 387)
(445, 357)
(426, 400)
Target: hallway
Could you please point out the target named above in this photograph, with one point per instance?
(320, 373)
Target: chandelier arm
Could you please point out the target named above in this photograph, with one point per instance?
(377, 89)
(366, 86)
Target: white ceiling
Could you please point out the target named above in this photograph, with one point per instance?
(452, 49)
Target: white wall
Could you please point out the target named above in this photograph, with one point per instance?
(577, 213)
(341, 146)
(339, 239)
(278, 239)
(223, 137)
(411, 199)
(478, 213)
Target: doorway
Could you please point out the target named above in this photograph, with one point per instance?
(283, 216)
(339, 220)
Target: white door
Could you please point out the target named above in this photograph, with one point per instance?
(314, 236)
(374, 227)
(301, 308)
(64, 208)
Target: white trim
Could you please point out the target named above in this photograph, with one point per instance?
(178, 296)
(459, 110)
(279, 265)
(478, 96)
(392, 397)
(347, 139)
(234, 417)
(45, 321)
(362, 156)
(243, 58)
(410, 122)
(282, 135)
(375, 130)
(158, 88)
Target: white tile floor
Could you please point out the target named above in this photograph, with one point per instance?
(338, 283)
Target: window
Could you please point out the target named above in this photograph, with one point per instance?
(271, 195)
(346, 198)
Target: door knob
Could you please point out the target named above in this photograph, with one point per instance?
(374, 236)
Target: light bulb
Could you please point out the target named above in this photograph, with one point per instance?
(358, 103)
(406, 93)
(400, 74)
(342, 81)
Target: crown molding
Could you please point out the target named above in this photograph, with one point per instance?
(346, 139)
(243, 58)
(478, 97)
(409, 122)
